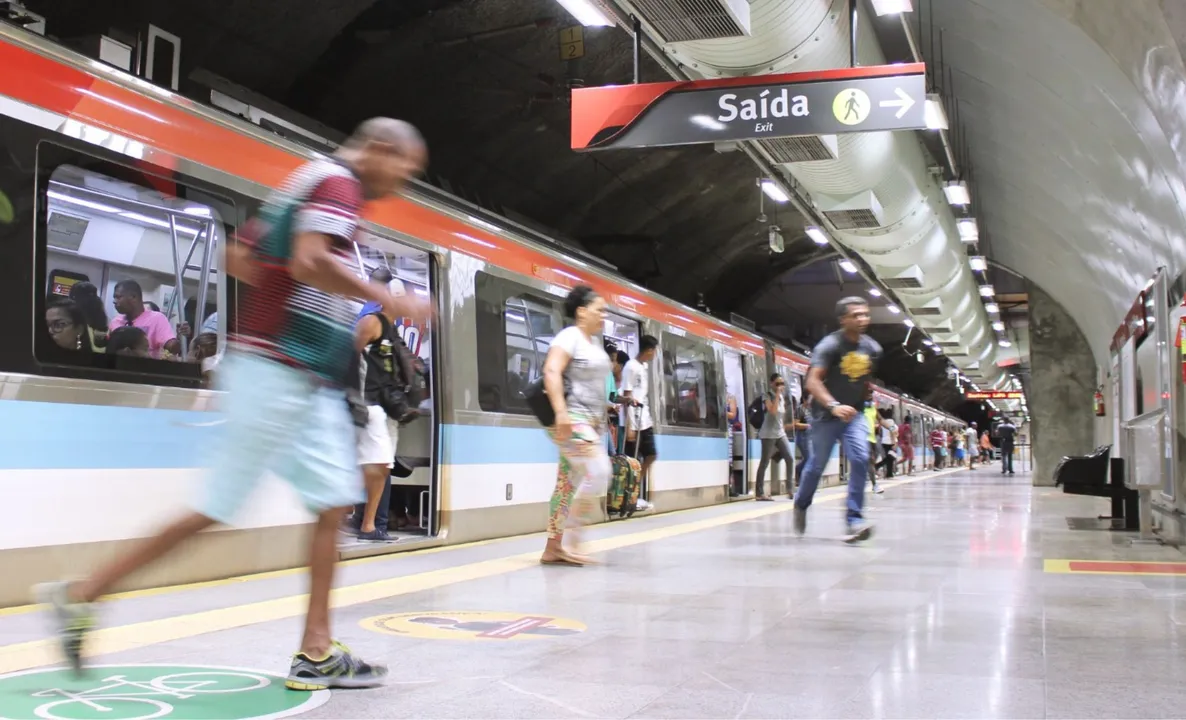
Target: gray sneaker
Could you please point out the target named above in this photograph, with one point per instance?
(859, 532)
(73, 620)
(341, 669)
(800, 521)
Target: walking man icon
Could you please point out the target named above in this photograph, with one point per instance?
(852, 107)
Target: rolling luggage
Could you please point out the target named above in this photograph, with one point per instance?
(625, 481)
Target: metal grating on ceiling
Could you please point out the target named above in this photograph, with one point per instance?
(684, 20)
(854, 220)
(65, 232)
(924, 310)
(804, 148)
(902, 283)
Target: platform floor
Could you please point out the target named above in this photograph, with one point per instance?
(963, 605)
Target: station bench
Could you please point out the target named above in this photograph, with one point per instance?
(1099, 475)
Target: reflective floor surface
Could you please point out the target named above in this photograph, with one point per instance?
(961, 606)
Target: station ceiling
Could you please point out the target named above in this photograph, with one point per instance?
(1070, 200)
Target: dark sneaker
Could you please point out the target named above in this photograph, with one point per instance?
(376, 535)
(800, 521)
(858, 533)
(73, 620)
(342, 669)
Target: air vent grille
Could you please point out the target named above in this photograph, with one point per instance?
(854, 220)
(742, 322)
(685, 20)
(802, 148)
(65, 232)
(902, 283)
(924, 310)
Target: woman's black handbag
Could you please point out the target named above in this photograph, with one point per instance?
(538, 403)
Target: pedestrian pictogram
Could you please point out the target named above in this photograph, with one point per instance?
(474, 625)
(148, 692)
(851, 106)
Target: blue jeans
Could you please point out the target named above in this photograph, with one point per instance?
(854, 439)
(803, 445)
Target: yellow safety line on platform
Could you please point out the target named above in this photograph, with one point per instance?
(38, 653)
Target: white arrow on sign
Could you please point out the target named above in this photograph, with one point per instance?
(903, 103)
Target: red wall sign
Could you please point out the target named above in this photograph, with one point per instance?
(993, 395)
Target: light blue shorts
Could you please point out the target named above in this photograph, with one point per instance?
(279, 419)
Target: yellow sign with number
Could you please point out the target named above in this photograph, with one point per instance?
(572, 43)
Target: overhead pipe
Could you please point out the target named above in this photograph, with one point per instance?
(916, 56)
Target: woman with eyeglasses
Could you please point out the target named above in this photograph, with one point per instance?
(67, 326)
(773, 435)
(574, 378)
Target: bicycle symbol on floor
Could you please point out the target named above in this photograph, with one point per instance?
(142, 692)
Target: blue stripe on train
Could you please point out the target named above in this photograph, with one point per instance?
(488, 445)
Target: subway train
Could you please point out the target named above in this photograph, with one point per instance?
(106, 178)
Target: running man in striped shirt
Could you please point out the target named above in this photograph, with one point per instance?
(286, 408)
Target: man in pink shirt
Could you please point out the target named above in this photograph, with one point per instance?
(129, 302)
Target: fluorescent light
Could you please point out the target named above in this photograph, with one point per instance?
(918, 356)
(815, 232)
(892, 7)
(935, 114)
(848, 267)
(969, 229)
(998, 326)
(957, 193)
(516, 316)
(910, 323)
(929, 343)
(992, 308)
(874, 292)
(774, 192)
(893, 308)
(987, 291)
(1005, 343)
(158, 223)
(978, 263)
(938, 350)
(197, 211)
(586, 13)
(81, 203)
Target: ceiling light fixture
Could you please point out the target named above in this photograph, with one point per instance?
(992, 308)
(978, 263)
(894, 309)
(957, 193)
(987, 291)
(910, 323)
(848, 266)
(586, 12)
(969, 229)
(892, 7)
(816, 233)
(1005, 343)
(998, 326)
(774, 192)
(874, 292)
(936, 116)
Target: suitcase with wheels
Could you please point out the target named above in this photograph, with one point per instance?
(625, 482)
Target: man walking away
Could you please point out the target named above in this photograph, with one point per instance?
(842, 365)
(638, 426)
(802, 428)
(971, 442)
(1006, 431)
(870, 413)
(286, 408)
(938, 447)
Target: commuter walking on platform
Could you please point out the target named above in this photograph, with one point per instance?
(802, 440)
(906, 443)
(870, 413)
(971, 442)
(1007, 432)
(574, 378)
(773, 435)
(638, 425)
(286, 407)
(842, 366)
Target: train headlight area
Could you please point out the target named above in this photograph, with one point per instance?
(122, 186)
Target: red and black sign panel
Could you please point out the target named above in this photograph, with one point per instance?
(993, 395)
(866, 99)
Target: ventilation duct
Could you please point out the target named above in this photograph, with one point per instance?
(675, 21)
(915, 226)
(932, 308)
(860, 211)
(911, 277)
(951, 341)
(802, 148)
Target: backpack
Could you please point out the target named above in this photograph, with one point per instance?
(756, 413)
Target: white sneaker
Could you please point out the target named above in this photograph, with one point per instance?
(643, 506)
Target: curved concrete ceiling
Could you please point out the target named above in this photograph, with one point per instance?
(1074, 118)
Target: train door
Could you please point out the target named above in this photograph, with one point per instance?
(411, 499)
(623, 333)
(735, 421)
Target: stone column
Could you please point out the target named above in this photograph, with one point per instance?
(1062, 384)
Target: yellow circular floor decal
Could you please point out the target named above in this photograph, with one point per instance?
(851, 106)
(474, 625)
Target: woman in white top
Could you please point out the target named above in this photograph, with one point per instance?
(574, 377)
(887, 437)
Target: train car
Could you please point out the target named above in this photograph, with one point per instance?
(116, 195)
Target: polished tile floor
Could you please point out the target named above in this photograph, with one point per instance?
(949, 612)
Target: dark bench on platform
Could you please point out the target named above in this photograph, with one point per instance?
(1098, 475)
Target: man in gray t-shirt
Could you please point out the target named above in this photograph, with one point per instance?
(842, 366)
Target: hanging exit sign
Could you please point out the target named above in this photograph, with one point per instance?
(994, 395)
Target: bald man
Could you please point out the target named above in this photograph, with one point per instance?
(286, 408)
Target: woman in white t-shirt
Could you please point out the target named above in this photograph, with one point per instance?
(574, 377)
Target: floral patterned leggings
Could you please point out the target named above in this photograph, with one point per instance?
(582, 479)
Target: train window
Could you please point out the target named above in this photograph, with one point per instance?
(690, 383)
(515, 328)
(130, 263)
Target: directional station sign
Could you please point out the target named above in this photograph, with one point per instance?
(994, 395)
(864, 99)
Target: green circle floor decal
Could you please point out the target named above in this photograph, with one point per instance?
(147, 692)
